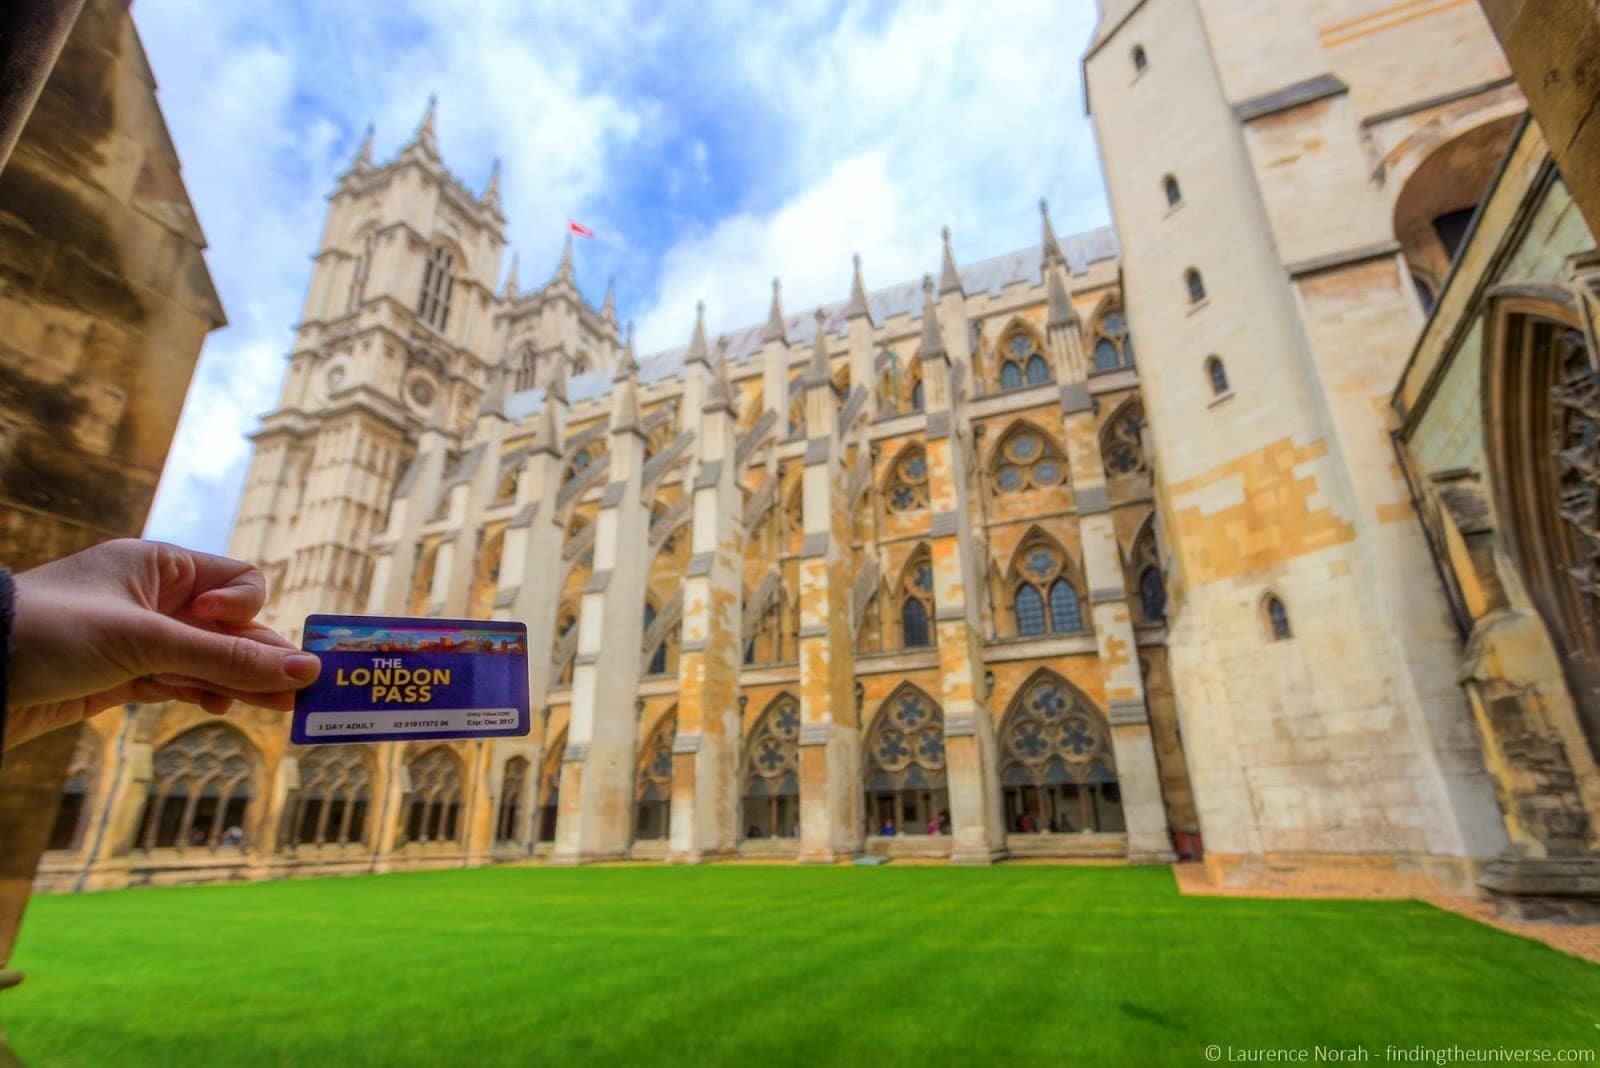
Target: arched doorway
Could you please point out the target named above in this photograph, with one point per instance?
(1542, 421)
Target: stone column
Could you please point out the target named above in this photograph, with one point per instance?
(830, 729)
(972, 766)
(705, 788)
(596, 822)
(1132, 745)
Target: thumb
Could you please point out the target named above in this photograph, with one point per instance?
(232, 661)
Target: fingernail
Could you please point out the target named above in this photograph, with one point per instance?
(302, 667)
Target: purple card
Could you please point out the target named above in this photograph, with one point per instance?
(394, 679)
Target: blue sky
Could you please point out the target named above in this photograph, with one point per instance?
(711, 146)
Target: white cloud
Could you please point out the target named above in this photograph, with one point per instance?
(940, 113)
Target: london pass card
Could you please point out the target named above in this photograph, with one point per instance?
(390, 679)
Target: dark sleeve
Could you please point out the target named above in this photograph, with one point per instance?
(7, 596)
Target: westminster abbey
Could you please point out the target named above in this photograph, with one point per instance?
(1170, 539)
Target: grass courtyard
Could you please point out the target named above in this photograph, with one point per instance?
(766, 965)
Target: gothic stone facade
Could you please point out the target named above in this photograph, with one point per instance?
(951, 557)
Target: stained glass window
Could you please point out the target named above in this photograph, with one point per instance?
(907, 490)
(1065, 614)
(1113, 347)
(1030, 611)
(905, 767)
(1039, 578)
(1056, 762)
(1027, 459)
(1021, 362)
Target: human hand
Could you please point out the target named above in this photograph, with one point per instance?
(133, 620)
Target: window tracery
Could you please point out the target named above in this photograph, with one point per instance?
(433, 807)
(1043, 597)
(1021, 362)
(905, 767)
(907, 490)
(1121, 443)
(772, 772)
(1027, 459)
(1057, 767)
(201, 786)
(334, 797)
(1113, 346)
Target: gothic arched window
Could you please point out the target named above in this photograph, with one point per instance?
(1113, 347)
(1056, 763)
(652, 791)
(916, 601)
(433, 807)
(907, 490)
(508, 821)
(1027, 459)
(905, 767)
(201, 786)
(772, 772)
(1195, 284)
(1169, 185)
(1276, 617)
(433, 304)
(1146, 564)
(1217, 374)
(72, 808)
(917, 399)
(1121, 445)
(1043, 598)
(334, 797)
(1020, 361)
(1139, 60)
(550, 787)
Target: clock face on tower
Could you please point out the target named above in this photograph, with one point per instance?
(420, 392)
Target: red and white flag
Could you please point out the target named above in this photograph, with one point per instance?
(580, 230)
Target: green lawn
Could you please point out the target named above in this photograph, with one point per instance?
(765, 965)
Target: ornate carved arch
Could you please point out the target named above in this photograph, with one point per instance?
(434, 800)
(1542, 421)
(905, 485)
(1042, 588)
(1121, 440)
(201, 786)
(1024, 458)
(1052, 734)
